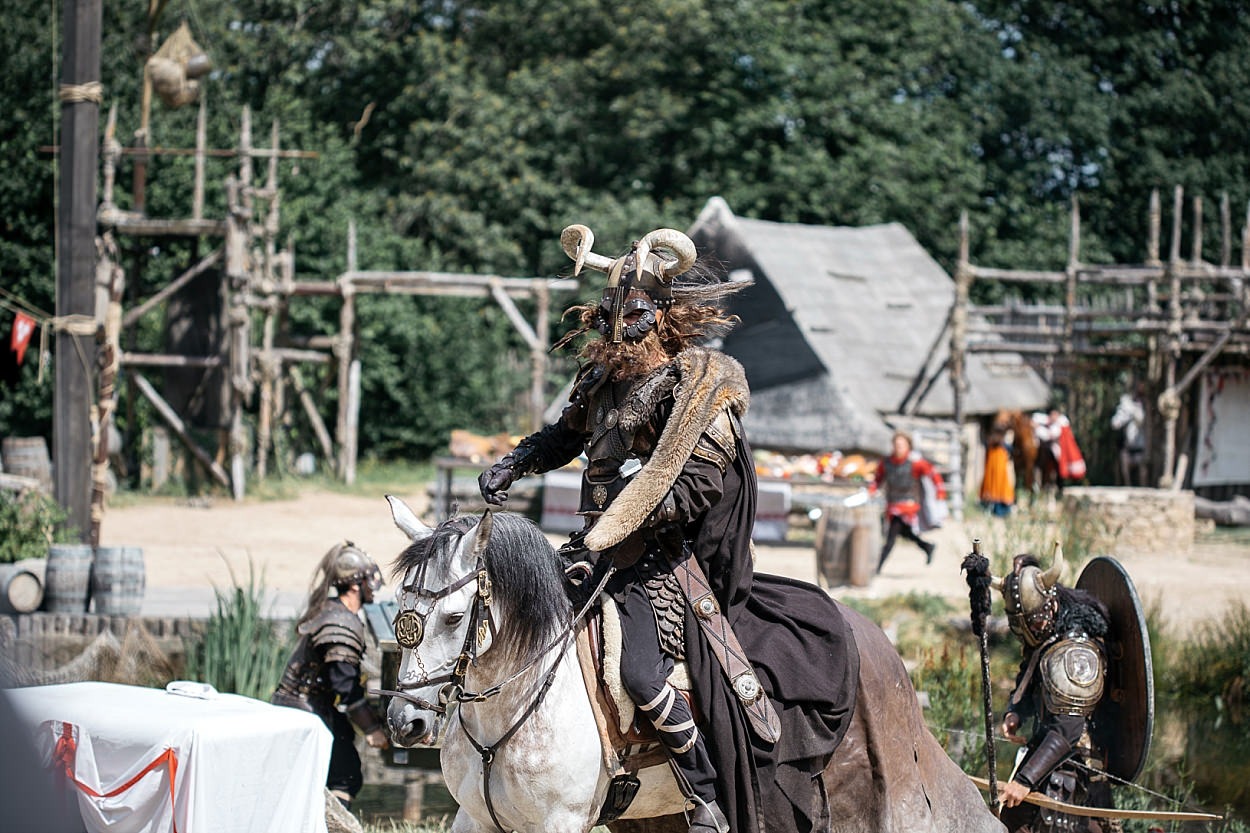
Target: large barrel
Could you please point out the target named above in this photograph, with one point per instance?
(28, 457)
(21, 585)
(68, 578)
(847, 542)
(117, 580)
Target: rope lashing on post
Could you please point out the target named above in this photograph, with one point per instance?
(92, 91)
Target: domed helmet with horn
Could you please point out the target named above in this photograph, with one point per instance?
(1030, 596)
(638, 281)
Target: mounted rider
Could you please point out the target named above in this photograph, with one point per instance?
(1088, 711)
(323, 675)
(668, 496)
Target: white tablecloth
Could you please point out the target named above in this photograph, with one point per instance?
(237, 764)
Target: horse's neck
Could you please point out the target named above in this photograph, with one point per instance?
(505, 708)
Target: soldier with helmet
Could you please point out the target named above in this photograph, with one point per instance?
(322, 675)
(1062, 681)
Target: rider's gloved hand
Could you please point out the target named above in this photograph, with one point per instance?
(494, 482)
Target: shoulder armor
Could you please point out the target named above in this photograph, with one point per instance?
(1073, 672)
(719, 444)
(338, 632)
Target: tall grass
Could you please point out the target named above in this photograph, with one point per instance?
(239, 650)
(1034, 527)
(1216, 663)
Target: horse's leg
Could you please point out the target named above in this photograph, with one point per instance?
(465, 823)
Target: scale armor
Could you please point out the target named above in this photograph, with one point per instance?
(1073, 672)
(336, 634)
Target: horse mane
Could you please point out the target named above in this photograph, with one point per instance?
(527, 576)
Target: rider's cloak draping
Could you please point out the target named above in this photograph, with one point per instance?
(795, 635)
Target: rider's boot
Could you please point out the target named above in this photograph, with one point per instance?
(696, 775)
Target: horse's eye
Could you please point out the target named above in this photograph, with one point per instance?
(454, 619)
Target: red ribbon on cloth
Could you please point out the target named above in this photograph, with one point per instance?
(66, 751)
(23, 327)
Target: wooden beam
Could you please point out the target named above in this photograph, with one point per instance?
(1016, 275)
(176, 425)
(211, 260)
(140, 226)
(165, 360)
(514, 315)
(314, 417)
(399, 282)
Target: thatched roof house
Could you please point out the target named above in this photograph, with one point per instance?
(845, 333)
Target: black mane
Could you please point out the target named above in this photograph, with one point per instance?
(526, 574)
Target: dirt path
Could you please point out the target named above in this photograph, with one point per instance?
(190, 549)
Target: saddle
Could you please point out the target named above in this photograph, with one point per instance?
(629, 745)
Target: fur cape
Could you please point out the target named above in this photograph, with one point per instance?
(707, 382)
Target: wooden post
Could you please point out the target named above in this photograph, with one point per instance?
(538, 356)
(310, 409)
(348, 446)
(270, 366)
(76, 251)
(1152, 244)
(346, 346)
(959, 343)
(171, 418)
(1196, 257)
(1226, 231)
(201, 142)
(1069, 295)
(113, 282)
(1169, 400)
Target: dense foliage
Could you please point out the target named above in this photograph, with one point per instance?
(462, 136)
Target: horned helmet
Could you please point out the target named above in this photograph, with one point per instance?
(1031, 597)
(639, 281)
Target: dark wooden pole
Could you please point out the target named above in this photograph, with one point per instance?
(75, 296)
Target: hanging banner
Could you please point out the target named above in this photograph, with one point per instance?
(1223, 412)
(23, 328)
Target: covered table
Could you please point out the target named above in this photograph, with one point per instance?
(146, 759)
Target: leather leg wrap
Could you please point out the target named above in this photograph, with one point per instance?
(671, 717)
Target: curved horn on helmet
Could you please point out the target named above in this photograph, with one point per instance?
(675, 242)
(1055, 570)
(577, 240)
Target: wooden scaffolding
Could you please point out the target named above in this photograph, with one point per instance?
(264, 362)
(1166, 321)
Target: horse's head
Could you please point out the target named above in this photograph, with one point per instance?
(443, 621)
(466, 585)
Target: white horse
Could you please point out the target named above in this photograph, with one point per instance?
(485, 622)
(547, 766)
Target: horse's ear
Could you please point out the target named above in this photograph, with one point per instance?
(481, 533)
(407, 520)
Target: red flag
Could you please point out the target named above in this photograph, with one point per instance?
(23, 327)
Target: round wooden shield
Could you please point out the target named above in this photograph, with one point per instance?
(1124, 719)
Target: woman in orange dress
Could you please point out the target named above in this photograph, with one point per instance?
(998, 491)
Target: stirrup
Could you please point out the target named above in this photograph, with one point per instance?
(706, 817)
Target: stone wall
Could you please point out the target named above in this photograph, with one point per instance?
(1125, 521)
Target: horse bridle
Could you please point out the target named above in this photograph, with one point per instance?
(409, 628)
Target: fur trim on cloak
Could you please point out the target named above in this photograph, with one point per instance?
(708, 382)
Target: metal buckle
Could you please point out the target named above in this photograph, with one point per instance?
(484, 590)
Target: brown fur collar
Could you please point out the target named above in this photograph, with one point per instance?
(708, 382)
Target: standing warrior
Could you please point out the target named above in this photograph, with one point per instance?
(1062, 679)
(323, 674)
(668, 497)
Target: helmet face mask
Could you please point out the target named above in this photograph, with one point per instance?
(626, 294)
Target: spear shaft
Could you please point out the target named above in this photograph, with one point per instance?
(978, 575)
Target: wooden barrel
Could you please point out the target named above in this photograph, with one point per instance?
(28, 457)
(848, 540)
(117, 580)
(21, 585)
(68, 578)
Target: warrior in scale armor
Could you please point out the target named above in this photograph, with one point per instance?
(323, 674)
(1061, 682)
